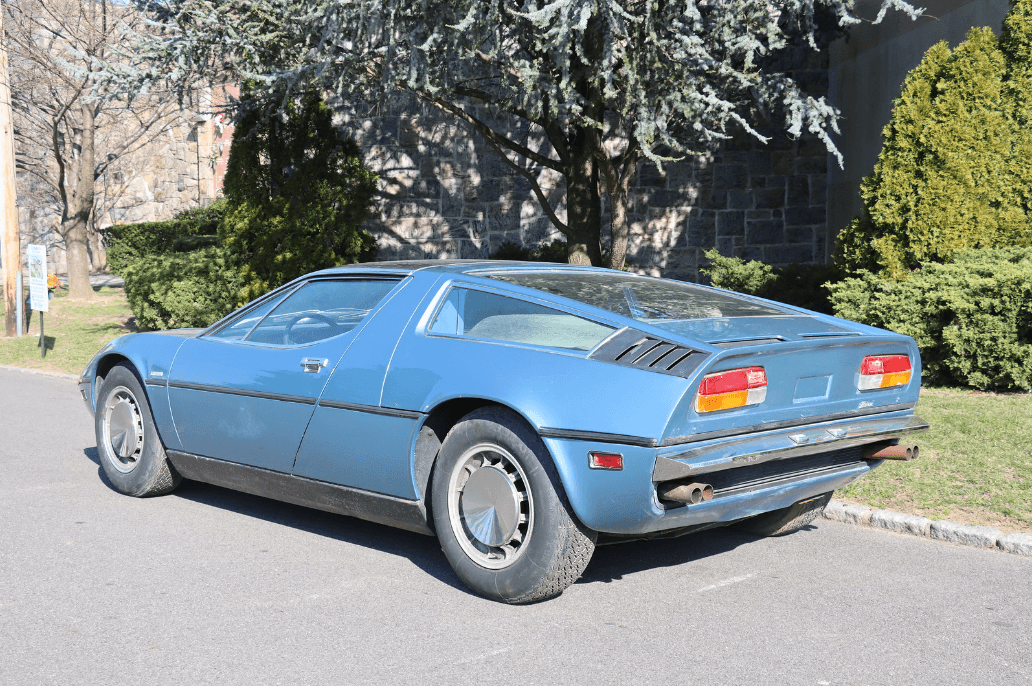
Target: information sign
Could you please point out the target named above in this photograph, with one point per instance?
(38, 291)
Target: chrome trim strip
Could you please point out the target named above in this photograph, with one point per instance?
(727, 433)
(240, 391)
(371, 409)
(299, 490)
(623, 439)
(780, 446)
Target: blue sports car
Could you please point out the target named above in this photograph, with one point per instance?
(520, 412)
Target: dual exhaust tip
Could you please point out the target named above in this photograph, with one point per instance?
(689, 494)
(902, 451)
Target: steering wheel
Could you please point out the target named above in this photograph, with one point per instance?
(302, 316)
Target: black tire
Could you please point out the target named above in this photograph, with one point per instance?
(528, 546)
(786, 520)
(131, 451)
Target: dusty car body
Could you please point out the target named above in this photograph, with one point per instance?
(519, 411)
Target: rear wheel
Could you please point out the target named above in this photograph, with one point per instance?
(786, 520)
(500, 512)
(131, 453)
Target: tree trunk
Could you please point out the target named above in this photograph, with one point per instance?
(619, 229)
(583, 202)
(98, 253)
(75, 228)
(618, 185)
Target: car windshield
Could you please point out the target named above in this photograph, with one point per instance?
(644, 298)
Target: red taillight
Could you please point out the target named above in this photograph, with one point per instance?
(731, 389)
(599, 460)
(884, 371)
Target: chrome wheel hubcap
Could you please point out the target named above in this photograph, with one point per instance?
(123, 430)
(490, 507)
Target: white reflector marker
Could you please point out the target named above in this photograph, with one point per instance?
(884, 371)
(731, 389)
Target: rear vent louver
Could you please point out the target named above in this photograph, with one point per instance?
(630, 348)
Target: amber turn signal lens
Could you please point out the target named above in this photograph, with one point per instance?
(731, 389)
(884, 371)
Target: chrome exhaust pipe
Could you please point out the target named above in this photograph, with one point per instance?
(689, 494)
(902, 451)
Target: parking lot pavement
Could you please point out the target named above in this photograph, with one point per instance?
(209, 586)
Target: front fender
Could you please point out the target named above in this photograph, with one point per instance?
(151, 355)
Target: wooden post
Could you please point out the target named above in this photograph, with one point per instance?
(9, 233)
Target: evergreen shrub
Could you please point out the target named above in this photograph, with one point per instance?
(972, 319)
(297, 195)
(189, 230)
(955, 172)
(545, 252)
(180, 290)
(802, 285)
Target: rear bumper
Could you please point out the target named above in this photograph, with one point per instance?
(751, 473)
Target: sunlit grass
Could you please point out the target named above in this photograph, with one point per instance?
(975, 464)
(74, 332)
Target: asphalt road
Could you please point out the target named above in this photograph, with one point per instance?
(208, 586)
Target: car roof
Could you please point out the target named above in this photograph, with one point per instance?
(455, 266)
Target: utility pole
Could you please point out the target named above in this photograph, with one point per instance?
(9, 234)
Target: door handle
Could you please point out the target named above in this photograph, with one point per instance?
(313, 365)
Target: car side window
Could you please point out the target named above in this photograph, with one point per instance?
(239, 328)
(319, 310)
(478, 314)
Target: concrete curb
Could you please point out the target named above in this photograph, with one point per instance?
(941, 530)
(42, 372)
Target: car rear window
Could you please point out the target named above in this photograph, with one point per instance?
(477, 314)
(644, 298)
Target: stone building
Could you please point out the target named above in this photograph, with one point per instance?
(178, 166)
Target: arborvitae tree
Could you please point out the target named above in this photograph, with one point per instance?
(955, 171)
(297, 195)
(595, 86)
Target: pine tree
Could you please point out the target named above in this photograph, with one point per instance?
(297, 194)
(955, 171)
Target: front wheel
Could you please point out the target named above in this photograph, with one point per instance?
(501, 514)
(130, 450)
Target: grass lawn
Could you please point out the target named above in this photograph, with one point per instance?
(74, 332)
(975, 465)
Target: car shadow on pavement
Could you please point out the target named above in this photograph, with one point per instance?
(613, 562)
(608, 563)
(423, 551)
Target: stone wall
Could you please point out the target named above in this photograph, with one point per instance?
(446, 194)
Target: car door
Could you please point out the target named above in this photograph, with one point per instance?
(246, 392)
